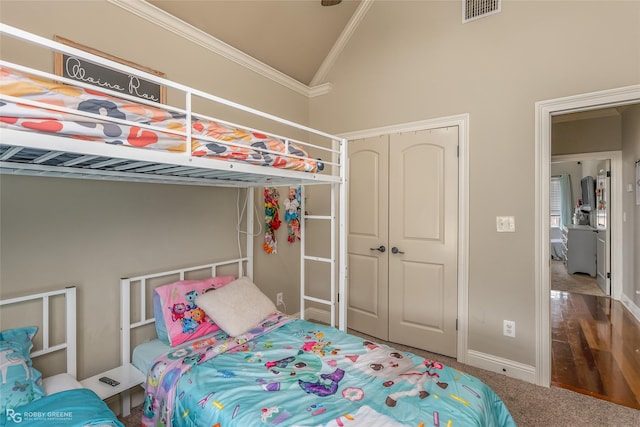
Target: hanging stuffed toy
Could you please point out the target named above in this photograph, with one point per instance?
(292, 213)
(271, 219)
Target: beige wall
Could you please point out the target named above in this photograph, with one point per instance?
(60, 231)
(57, 232)
(631, 225)
(411, 61)
(586, 136)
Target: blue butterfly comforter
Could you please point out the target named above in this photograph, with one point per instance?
(297, 373)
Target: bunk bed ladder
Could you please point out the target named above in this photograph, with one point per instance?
(331, 260)
(338, 195)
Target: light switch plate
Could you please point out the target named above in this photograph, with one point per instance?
(505, 224)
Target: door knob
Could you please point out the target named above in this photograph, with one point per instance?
(380, 249)
(396, 250)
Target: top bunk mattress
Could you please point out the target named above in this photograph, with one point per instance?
(33, 104)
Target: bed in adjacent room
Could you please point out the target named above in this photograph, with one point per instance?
(556, 244)
(28, 399)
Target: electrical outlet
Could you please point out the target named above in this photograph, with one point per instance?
(279, 298)
(509, 327)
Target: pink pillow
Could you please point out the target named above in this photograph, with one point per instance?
(178, 318)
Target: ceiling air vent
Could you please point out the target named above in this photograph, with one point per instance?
(475, 9)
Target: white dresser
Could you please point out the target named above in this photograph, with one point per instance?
(580, 249)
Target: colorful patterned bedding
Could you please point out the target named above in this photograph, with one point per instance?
(72, 408)
(296, 373)
(210, 138)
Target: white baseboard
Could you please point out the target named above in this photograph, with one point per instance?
(474, 358)
(502, 366)
(631, 306)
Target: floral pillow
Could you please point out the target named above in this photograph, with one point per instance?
(178, 318)
(21, 383)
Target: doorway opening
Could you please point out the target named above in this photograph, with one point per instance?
(587, 324)
(545, 110)
(586, 265)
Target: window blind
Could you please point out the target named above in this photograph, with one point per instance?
(555, 197)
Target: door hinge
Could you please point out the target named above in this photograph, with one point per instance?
(456, 324)
(458, 151)
(608, 174)
(609, 275)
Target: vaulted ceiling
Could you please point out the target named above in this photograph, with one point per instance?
(294, 37)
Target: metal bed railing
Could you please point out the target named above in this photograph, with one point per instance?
(34, 155)
(70, 343)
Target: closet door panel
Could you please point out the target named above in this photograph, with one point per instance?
(423, 224)
(422, 296)
(367, 302)
(422, 199)
(363, 297)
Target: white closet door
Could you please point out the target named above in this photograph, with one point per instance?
(403, 193)
(423, 226)
(367, 306)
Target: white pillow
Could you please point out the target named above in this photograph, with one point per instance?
(59, 382)
(236, 307)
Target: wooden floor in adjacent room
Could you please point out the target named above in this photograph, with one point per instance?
(595, 347)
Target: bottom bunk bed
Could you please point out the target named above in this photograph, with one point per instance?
(28, 399)
(257, 366)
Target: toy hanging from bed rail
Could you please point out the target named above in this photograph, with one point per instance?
(271, 219)
(292, 213)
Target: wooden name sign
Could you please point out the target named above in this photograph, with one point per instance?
(85, 71)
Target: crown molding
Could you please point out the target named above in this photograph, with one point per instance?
(346, 34)
(171, 23)
(318, 90)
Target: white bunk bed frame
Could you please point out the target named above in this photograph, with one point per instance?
(69, 344)
(80, 159)
(25, 153)
(140, 287)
